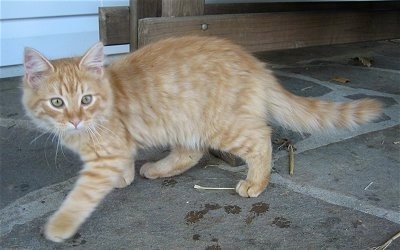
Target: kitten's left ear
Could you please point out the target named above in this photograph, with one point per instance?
(93, 60)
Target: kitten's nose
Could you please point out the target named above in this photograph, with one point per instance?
(75, 122)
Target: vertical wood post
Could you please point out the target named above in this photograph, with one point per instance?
(155, 8)
(141, 9)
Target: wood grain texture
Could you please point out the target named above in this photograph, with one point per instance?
(117, 28)
(281, 30)
(139, 9)
(178, 8)
(241, 8)
(109, 19)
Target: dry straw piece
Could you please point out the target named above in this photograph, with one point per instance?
(387, 243)
(291, 159)
(212, 188)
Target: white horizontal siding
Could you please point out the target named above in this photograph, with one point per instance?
(57, 28)
(55, 37)
(17, 9)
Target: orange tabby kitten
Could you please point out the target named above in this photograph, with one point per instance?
(191, 93)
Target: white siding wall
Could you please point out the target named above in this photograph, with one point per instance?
(57, 28)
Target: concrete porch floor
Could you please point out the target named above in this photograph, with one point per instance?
(345, 192)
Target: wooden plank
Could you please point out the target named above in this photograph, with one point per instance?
(140, 9)
(116, 32)
(241, 8)
(179, 8)
(111, 17)
(281, 30)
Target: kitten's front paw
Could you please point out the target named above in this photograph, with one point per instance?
(122, 182)
(246, 188)
(60, 228)
(126, 178)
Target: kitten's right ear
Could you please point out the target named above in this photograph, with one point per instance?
(35, 66)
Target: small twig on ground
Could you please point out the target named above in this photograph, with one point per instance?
(369, 185)
(283, 143)
(387, 243)
(211, 165)
(287, 144)
(212, 188)
(304, 89)
(291, 159)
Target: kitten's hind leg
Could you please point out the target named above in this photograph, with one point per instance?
(252, 143)
(178, 161)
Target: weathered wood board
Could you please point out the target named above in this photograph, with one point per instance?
(358, 21)
(280, 30)
(114, 25)
(174, 8)
(139, 9)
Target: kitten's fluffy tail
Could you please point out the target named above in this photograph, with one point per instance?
(309, 114)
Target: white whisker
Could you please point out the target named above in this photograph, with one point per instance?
(96, 134)
(58, 145)
(103, 129)
(37, 137)
(94, 129)
(55, 134)
(92, 136)
(47, 140)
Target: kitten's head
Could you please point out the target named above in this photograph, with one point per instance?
(67, 96)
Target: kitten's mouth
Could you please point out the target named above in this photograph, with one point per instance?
(71, 129)
(75, 130)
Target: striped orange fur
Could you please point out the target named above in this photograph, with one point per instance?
(190, 93)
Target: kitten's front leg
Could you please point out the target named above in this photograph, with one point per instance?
(128, 174)
(96, 180)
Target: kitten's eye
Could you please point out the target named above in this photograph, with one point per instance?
(57, 102)
(87, 99)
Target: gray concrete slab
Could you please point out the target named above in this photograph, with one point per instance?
(153, 215)
(347, 167)
(359, 77)
(385, 55)
(345, 193)
(30, 162)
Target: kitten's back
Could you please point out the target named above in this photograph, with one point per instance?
(227, 79)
